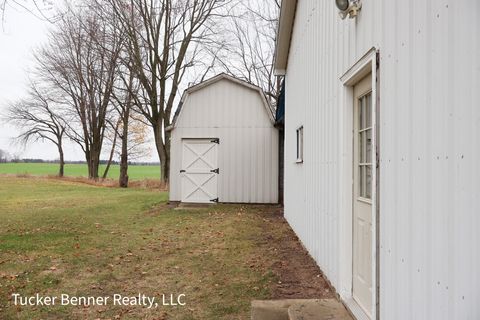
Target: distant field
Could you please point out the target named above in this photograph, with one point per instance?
(135, 172)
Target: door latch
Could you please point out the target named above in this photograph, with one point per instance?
(217, 171)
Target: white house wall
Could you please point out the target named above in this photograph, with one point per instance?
(429, 148)
(248, 149)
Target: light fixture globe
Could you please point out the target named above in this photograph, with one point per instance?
(342, 5)
(348, 8)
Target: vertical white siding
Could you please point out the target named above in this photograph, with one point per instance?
(323, 47)
(429, 142)
(248, 150)
(430, 151)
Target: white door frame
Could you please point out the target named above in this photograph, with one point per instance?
(366, 65)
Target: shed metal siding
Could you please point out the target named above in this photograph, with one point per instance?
(248, 150)
(429, 142)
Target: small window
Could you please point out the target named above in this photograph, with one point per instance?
(300, 145)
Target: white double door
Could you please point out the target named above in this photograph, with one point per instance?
(200, 170)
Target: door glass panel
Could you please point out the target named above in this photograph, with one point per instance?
(368, 110)
(365, 146)
(369, 146)
(361, 154)
(361, 175)
(368, 179)
(361, 106)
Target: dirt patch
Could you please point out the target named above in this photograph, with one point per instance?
(298, 275)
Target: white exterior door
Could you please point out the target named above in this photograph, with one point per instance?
(199, 170)
(362, 290)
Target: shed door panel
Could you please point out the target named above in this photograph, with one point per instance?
(199, 160)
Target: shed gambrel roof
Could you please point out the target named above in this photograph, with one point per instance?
(215, 79)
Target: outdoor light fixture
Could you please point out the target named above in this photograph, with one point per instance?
(348, 8)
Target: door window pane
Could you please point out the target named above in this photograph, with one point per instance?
(361, 124)
(361, 176)
(365, 146)
(361, 152)
(368, 146)
(368, 110)
(368, 179)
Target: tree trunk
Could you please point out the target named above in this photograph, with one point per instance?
(164, 171)
(166, 168)
(87, 159)
(93, 158)
(93, 174)
(62, 161)
(107, 168)
(111, 153)
(94, 163)
(162, 153)
(123, 179)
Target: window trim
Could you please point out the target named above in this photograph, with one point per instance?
(299, 145)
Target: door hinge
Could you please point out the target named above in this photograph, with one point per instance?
(214, 200)
(182, 171)
(216, 140)
(217, 171)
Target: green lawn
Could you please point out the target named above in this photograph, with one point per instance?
(135, 172)
(59, 237)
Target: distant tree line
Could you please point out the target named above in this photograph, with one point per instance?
(6, 159)
(113, 70)
(4, 156)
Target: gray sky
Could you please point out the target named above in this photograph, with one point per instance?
(21, 33)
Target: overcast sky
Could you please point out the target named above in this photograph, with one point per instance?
(21, 32)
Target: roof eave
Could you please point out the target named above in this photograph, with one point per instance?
(284, 35)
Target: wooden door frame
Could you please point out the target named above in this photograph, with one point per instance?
(368, 64)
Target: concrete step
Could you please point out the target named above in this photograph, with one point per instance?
(273, 309)
(299, 309)
(324, 309)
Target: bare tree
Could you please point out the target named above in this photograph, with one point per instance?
(125, 106)
(81, 62)
(163, 43)
(124, 101)
(41, 9)
(38, 117)
(111, 135)
(250, 48)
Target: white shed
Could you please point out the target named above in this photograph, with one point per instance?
(382, 151)
(224, 146)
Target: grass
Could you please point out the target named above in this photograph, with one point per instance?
(61, 237)
(135, 172)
